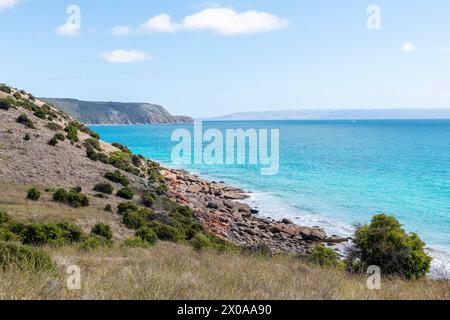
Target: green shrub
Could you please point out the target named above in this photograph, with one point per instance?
(55, 234)
(31, 97)
(60, 195)
(93, 242)
(136, 242)
(102, 230)
(385, 244)
(59, 136)
(107, 208)
(7, 235)
(168, 233)
(103, 157)
(117, 177)
(53, 141)
(27, 122)
(162, 189)
(124, 206)
(122, 148)
(5, 89)
(200, 241)
(4, 218)
(72, 132)
(147, 235)
(148, 200)
(73, 197)
(93, 143)
(17, 95)
(27, 137)
(120, 160)
(33, 194)
(325, 256)
(125, 193)
(40, 113)
(104, 187)
(14, 255)
(6, 103)
(134, 219)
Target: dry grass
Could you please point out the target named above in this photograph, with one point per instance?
(13, 201)
(169, 271)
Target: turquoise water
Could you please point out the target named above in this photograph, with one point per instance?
(335, 173)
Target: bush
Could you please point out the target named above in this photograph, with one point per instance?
(148, 200)
(27, 122)
(60, 195)
(93, 143)
(168, 233)
(7, 235)
(6, 103)
(200, 241)
(117, 177)
(136, 242)
(72, 132)
(94, 242)
(59, 136)
(102, 230)
(55, 234)
(72, 197)
(14, 255)
(107, 208)
(104, 187)
(385, 244)
(4, 218)
(134, 219)
(53, 141)
(120, 160)
(325, 256)
(125, 193)
(147, 235)
(5, 89)
(125, 206)
(33, 194)
(27, 137)
(122, 148)
(40, 113)
(17, 95)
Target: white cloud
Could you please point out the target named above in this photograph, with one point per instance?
(228, 22)
(122, 30)
(4, 4)
(409, 47)
(125, 56)
(223, 21)
(160, 23)
(446, 94)
(443, 49)
(68, 30)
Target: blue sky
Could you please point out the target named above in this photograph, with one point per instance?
(212, 58)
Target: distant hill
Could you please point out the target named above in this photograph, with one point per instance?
(345, 114)
(116, 112)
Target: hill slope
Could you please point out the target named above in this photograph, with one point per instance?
(116, 112)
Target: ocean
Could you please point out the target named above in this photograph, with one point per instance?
(334, 174)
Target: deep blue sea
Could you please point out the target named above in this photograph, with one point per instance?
(335, 173)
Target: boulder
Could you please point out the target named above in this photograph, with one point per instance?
(215, 204)
(194, 188)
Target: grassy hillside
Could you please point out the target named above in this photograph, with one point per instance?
(68, 198)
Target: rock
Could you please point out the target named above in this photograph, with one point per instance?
(335, 239)
(286, 221)
(169, 175)
(194, 188)
(312, 234)
(215, 204)
(234, 196)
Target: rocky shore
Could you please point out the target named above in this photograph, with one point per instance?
(217, 206)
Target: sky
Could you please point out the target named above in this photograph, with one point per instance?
(214, 58)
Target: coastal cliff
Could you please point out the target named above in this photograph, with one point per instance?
(90, 112)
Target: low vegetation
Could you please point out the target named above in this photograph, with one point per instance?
(104, 187)
(125, 193)
(26, 121)
(117, 177)
(73, 197)
(33, 194)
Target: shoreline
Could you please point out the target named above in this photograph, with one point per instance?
(222, 210)
(291, 239)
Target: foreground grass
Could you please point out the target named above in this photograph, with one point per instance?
(170, 271)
